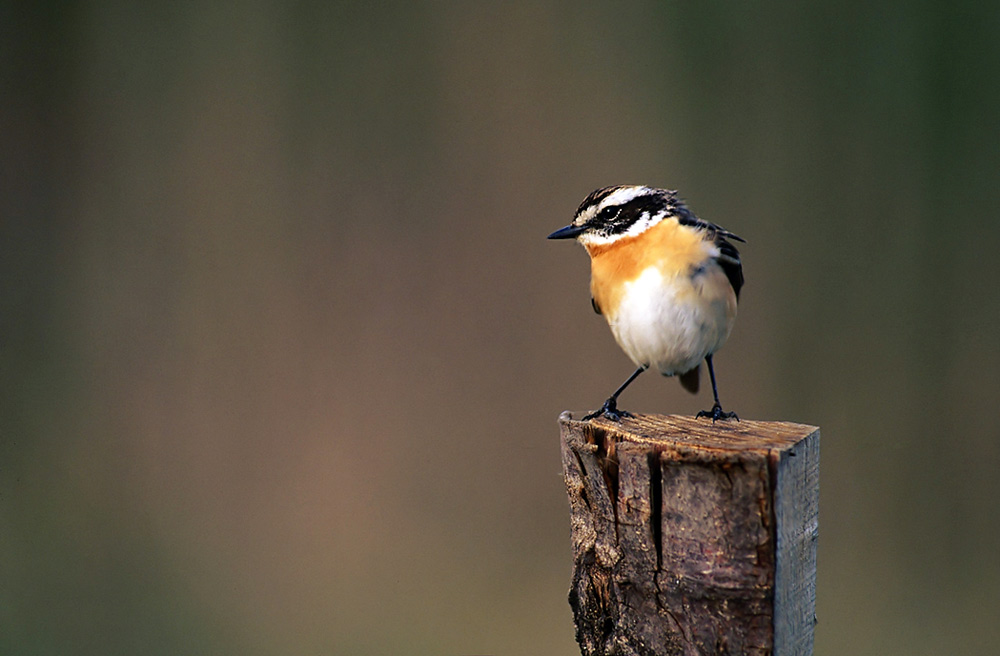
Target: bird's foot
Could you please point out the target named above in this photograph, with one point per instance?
(609, 410)
(716, 413)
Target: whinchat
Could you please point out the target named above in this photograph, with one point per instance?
(666, 281)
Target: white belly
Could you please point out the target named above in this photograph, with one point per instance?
(672, 324)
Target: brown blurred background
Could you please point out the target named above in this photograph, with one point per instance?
(283, 342)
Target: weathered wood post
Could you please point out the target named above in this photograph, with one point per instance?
(691, 537)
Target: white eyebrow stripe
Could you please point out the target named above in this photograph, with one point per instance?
(622, 196)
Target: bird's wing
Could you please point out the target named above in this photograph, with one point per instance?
(729, 256)
(729, 260)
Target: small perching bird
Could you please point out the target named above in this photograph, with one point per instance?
(666, 281)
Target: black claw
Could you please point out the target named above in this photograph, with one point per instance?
(716, 413)
(609, 410)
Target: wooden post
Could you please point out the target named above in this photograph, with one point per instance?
(691, 537)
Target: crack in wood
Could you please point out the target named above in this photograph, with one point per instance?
(656, 504)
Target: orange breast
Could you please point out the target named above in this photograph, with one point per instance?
(672, 248)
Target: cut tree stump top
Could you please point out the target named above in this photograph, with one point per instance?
(681, 432)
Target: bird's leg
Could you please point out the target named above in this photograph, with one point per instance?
(716, 412)
(610, 407)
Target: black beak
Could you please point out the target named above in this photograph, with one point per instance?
(569, 232)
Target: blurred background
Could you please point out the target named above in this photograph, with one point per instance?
(283, 343)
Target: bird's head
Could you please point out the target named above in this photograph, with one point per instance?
(612, 213)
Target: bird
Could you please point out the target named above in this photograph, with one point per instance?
(666, 281)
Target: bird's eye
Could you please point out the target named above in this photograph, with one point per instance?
(608, 213)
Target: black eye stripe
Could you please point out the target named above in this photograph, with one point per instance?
(619, 218)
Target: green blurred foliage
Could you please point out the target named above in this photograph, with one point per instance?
(283, 343)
